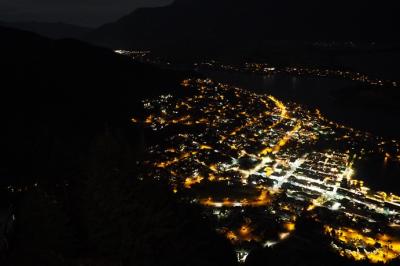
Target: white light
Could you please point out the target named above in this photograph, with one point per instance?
(270, 243)
(335, 206)
(242, 255)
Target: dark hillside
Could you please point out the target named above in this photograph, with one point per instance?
(63, 93)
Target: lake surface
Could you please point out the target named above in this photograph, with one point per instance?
(338, 99)
(313, 92)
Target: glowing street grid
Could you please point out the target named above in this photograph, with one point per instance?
(257, 164)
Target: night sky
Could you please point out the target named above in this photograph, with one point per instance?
(80, 12)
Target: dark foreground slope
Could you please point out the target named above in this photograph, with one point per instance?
(64, 110)
(68, 163)
(65, 89)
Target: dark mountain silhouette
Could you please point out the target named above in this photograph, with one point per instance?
(50, 30)
(228, 26)
(59, 94)
(67, 141)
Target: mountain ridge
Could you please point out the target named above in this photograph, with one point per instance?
(50, 30)
(194, 23)
(64, 92)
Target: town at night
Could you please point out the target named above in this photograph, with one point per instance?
(252, 160)
(199, 133)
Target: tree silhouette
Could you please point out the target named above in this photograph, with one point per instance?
(44, 235)
(141, 222)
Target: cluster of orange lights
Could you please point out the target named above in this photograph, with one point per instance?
(381, 248)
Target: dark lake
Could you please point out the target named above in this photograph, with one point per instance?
(350, 103)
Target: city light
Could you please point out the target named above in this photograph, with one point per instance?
(243, 156)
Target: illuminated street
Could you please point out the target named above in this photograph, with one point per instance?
(251, 159)
(199, 133)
